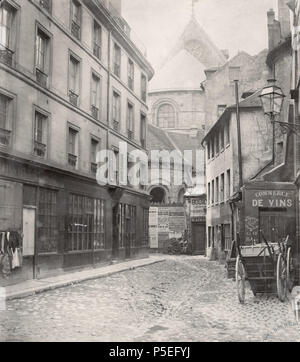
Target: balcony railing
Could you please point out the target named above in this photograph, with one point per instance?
(97, 50)
(4, 137)
(75, 30)
(94, 168)
(116, 125)
(41, 78)
(72, 160)
(73, 97)
(40, 149)
(130, 134)
(95, 112)
(46, 4)
(6, 56)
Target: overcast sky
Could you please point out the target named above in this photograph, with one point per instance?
(231, 24)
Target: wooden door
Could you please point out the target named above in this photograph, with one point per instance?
(199, 238)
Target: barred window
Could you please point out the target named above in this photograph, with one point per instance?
(47, 226)
(86, 229)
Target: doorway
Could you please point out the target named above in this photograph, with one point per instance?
(199, 238)
(29, 216)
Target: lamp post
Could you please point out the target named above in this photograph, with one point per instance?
(272, 100)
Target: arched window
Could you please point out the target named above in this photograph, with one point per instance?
(166, 117)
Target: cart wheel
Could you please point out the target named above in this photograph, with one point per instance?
(281, 278)
(290, 270)
(240, 277)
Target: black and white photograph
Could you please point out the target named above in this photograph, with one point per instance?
(149, 173)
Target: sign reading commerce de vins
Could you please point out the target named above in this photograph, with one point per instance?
(272, 199)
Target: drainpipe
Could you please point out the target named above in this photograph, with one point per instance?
(238, 121)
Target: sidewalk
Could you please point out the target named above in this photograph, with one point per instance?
(36, 286)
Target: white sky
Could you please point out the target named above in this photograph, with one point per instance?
(231, 24)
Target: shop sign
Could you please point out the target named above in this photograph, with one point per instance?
(272, 199)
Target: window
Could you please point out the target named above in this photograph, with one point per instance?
(117, 60)
(217, 190)
(143, 88)
(95, 96)
(130, 121)
(73, 148)
(213, 192)
(46, 4)
(228, 184)
(143, 130)
(227, 235)
(217, 143)
(116, 111)
(76, 19)
(208, 150)
(7, 33)
(208, 194)
(212, 148)
(5, 119)
(42, 57)
(47, 225)
(166, 116)
(74, 79)
(40, 134)
(97, 40)
(94, 150)
(222, 184)
(86, 226)
(227, 133)
(220, 110)
(222, 140)
(130, 74)
(114, 169)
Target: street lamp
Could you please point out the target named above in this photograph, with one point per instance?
(272, 99)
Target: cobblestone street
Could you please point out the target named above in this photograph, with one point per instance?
(181, 299)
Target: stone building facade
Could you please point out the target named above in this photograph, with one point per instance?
(71, 83)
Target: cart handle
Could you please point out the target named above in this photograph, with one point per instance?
(268, 246)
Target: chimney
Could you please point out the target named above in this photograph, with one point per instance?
(117, 4)
(284, 18)
(271, 20)
(225, 53)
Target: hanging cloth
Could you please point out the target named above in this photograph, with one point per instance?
(15, 262)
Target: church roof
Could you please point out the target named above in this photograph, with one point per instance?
(182, 72)
(184, 66)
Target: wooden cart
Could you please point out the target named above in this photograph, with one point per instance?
(267, 267)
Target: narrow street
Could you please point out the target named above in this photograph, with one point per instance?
(181, 299)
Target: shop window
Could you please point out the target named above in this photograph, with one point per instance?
(86, 225)
(47, 225)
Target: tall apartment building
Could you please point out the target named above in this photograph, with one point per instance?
(72, 82)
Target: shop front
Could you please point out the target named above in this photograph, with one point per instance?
(65, 222)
